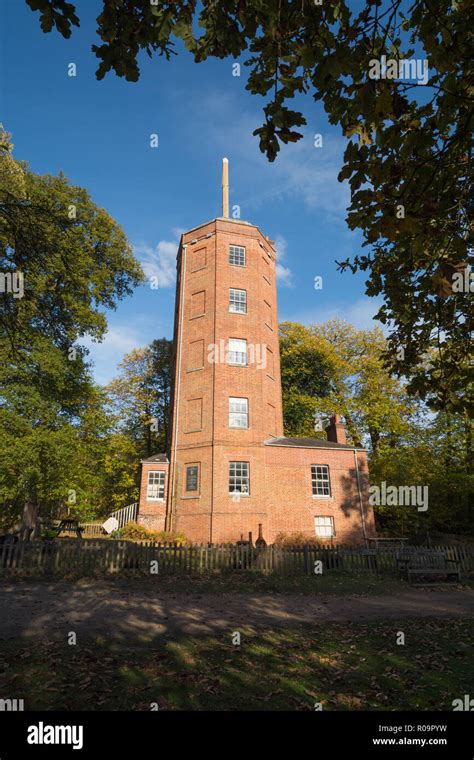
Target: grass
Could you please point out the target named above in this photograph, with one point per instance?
(343, 667)
(333, 582)
(248, 582)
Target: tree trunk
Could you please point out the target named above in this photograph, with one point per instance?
(29, 520)
(374, 439)
(354, 433)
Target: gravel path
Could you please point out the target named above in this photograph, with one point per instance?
(128, 610)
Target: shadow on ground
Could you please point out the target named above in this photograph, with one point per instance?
(286, 668)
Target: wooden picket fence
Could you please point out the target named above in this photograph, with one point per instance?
(103, 556)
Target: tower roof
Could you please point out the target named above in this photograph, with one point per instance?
(227, 220)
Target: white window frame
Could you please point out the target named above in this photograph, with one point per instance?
(160, 484)
(237, 362)
(235, 301)
(238, 411)
(237, 254)
(320, 469)
(239, 474)
(323, 524)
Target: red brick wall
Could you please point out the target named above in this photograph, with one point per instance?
(280, 495)
(291, 505)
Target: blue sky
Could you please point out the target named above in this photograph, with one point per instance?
(98, 134)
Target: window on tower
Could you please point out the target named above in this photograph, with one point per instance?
(239, 478)
(237, 353)
(237, 301)
(237, 255)
(238, 413)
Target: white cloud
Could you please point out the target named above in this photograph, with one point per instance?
(105, 356)
(309, 173)
(117, 339)
(159, 263)
(361, 313)
(122, 336)
(300, 171)
(284, 274)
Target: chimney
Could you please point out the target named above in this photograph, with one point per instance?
(336, 430)
(225, 187)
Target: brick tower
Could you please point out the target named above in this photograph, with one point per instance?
(227, 388)
(230, 468)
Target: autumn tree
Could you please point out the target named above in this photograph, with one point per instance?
(409, 147)
(140, 394)
(63, 261)
(435, 453)
(305, 379)
(333, 367)
(374, 403)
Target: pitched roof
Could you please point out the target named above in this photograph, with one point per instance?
(157, 458)
(309, 443)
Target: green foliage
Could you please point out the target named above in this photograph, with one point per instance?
(407, 159)
(48, 534)
(140, 396)
(75, 261)
(136, 532)
(437, 453)
(333, 367)
(119, 473)
(408, 444)
(374, 403)
(305, 377)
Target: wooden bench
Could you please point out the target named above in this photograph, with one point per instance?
(427, 563)
(69, 525)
